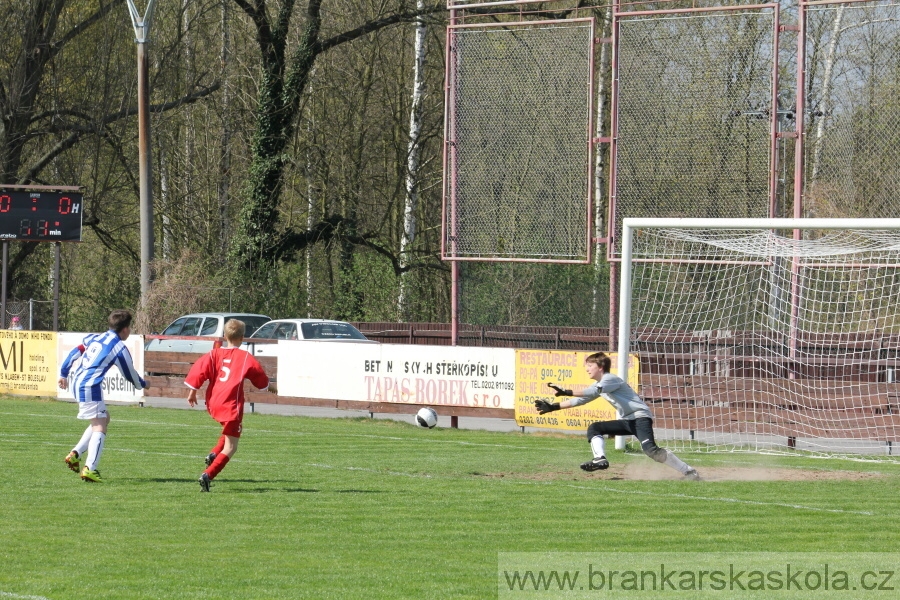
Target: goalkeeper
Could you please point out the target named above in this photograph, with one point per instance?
(635, 418)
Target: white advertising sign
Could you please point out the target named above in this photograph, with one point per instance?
(115, 386)
(435, 375)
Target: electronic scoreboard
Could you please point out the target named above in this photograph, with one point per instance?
(40, 216)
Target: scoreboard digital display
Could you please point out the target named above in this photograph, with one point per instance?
(40, 216)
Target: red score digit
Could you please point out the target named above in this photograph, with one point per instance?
(65, 205)
(5, 203)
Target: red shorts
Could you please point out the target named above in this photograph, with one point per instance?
(232, 428)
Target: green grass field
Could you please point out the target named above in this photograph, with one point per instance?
(353, 508)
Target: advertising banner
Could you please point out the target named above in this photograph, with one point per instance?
(435, 375)
(565, 368)
(115, 386)
(28, 362)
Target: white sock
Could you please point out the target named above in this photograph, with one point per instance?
(676, 463)
(597, 443)
(82, 445)
(95, 449)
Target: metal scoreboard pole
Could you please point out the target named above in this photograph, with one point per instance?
(3, 290)
(56, 260)
(142, 32)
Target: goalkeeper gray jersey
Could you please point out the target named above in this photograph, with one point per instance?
(618, 393)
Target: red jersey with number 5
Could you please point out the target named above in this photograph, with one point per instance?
(225, 369)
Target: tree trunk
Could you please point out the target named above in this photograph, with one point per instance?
(824, 105)
(310, 204)
(412, 163)
(599, 164)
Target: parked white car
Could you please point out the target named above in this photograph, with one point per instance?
(319, 330)
(310, 329)
(210, 325)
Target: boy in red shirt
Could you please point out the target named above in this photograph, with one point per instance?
(225, 369)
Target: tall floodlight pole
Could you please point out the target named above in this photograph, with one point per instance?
(142, 33)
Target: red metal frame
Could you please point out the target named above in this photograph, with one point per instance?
(618, 14)
(450, 144)
(450, 107)
(461, 6)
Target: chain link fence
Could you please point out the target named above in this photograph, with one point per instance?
(29, 314)
(694, 115)
(853, 114)
(704, 123)
(519, 127)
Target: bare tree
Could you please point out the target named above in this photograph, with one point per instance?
(282, 86)
(414, 154)
(64, 110)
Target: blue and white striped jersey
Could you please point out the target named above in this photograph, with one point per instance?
(91, 360)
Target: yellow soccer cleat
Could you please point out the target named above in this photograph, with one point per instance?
(72, 461)
(92, 476)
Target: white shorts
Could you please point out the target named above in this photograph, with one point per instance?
(92, 410)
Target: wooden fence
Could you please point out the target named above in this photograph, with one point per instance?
(495, 336)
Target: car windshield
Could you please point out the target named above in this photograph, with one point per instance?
(251, 323)
(330, 331)
(265, 332)
(286, 331)
(175, 328)
(210, 326)
(192, 326)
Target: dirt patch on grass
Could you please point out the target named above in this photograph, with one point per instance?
(536, 476)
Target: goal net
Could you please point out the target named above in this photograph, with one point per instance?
(766, 334)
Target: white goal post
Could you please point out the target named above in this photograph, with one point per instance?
(765, 334)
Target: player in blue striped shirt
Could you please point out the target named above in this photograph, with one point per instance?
(88, 363)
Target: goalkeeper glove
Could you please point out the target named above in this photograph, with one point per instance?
(560, 391)
(543, 406)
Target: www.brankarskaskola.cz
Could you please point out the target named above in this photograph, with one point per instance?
(788, 578)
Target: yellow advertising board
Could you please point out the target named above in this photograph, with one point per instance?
(565, 368)
(28, 362)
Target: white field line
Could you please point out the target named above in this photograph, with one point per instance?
(703, 498)
(20, 597)
(547, 483)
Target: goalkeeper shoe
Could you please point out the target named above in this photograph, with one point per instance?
(597, 464)
(692, 474)
(210, 458)
(204, 482)
(92, 475)
(72, 461)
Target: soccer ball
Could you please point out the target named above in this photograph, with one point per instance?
(426, 417)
